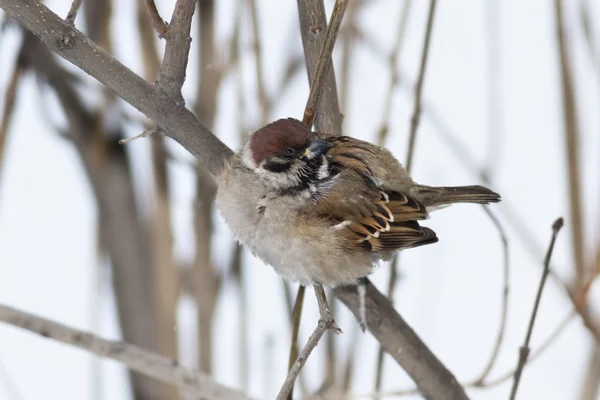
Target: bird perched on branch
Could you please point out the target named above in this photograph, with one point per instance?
(324, 210)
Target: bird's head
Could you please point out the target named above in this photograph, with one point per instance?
(286, 153)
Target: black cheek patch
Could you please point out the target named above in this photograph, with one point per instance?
(277, 166)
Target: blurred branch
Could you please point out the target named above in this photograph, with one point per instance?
(156, 20)
(260, 83)
(296, 318)
(207, 280)
(505, 291)
(167, 285)
(416, 116)
(571, 132)
(495, 123)
(524, 350)
(170, 114)
(393, 59)
(389, 328)
(9, 107)
(153, 365)
(348, 35)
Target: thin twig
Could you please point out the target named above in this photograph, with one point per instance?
(416, 116)
(153, 365)
(312, 24)
(494, 86)
(75, 5)
(296, 318)
(347, 37)
(524, 351)
(9, 108)
(316, 88)
(393, 59)
(263, 99)
(144, 134)
(493, 383)
(505, 293)
(312, 342)
(157, 21)
(572, 139)
(534, 355)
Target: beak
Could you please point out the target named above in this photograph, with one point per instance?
(316, 148)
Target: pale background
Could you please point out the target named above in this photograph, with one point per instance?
(449, 292)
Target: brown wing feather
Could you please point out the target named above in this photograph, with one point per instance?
(368, 217)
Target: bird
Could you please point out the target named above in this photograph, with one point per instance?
(324, 210)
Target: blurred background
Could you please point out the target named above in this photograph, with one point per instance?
(123, 241)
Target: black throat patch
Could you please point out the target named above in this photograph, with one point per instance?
(308, 175)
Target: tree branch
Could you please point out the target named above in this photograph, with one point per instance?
(191, 382)
(157, 21)
(402, 343)
(524, 350)
(321, 71)
(178, 122)
(313, 22)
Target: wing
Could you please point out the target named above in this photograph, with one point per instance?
(368, 217)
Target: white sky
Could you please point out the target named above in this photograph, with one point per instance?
(450, 292)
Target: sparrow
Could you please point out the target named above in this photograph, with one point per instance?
(325, 210)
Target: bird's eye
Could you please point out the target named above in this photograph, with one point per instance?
(289, 152)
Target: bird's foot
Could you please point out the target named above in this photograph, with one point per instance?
(329, 323)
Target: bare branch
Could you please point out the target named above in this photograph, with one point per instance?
(400, 341)
(73, 12)
(524, 351)
(312, 29)
(296, 318)
(316, 88)
(178, 122)
(416, 116)
(325, 323)
(153, 365)
(177, 50)
(555, 334)
(157, 21)
(571, 131)
(9, 107)
(505, 291)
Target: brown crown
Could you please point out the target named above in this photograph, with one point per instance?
(273, 138)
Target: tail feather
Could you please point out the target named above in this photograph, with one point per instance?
(439, 196)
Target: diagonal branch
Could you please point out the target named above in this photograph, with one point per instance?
(178, 122)
(312, 29)
(189, 381)
(320, 77)
(157, 21)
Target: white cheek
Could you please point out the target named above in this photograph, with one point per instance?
(280, 180)
(246, 156)
(323, 169)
